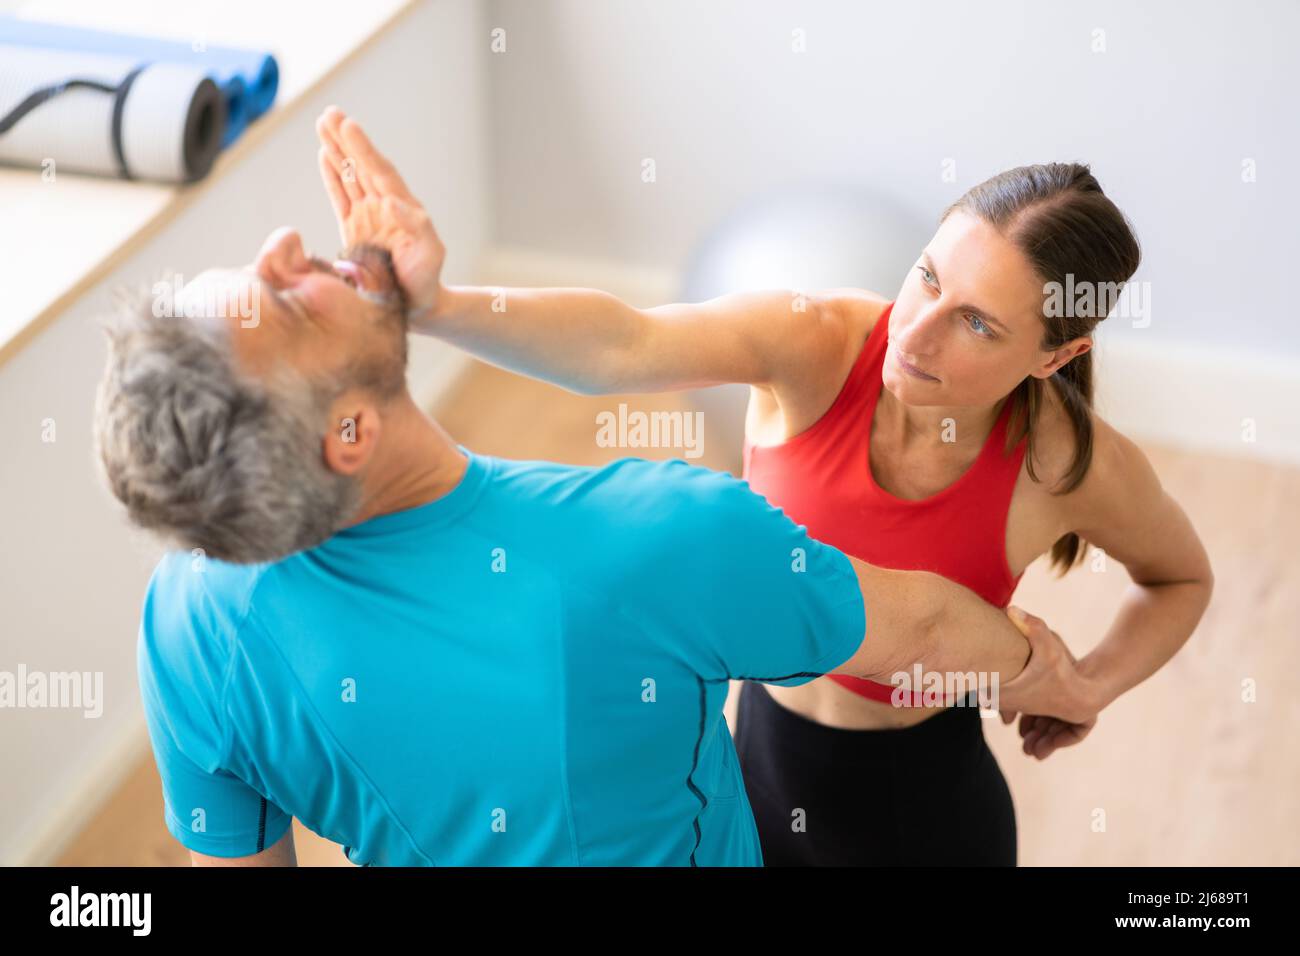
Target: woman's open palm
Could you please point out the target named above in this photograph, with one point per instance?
(373, 205)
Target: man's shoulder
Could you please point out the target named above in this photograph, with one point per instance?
(192, 576)
(693, 501)
(671, 478)
(642, 503)
(193, 608)
(193, 601)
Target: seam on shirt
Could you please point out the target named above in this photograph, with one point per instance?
(261, 826)
(227, 732)
(305, 699)
(831, 657)
(695, 762)
(562, 648)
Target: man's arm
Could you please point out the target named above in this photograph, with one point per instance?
(919, 618)
(916, 617)
(280, 853)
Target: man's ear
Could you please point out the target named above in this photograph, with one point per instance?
(1058, 357)
(353, 435)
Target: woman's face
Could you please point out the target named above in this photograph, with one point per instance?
(969, 315)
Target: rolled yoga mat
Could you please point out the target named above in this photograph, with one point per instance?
(248, 78)
(109, 115)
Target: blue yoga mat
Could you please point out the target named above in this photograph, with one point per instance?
(247, 78)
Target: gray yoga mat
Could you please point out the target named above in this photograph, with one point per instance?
(110, 115)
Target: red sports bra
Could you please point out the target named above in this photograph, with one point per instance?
(821, 478)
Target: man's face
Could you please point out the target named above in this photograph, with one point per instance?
(326, 319)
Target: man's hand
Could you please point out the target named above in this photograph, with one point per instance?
(1051, 684)
(373, 205)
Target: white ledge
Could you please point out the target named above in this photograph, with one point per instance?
(61, 237)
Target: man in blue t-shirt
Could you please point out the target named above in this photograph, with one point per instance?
(436, 657)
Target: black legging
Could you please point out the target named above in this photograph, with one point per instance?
(930, 794)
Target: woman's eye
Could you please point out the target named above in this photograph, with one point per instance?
(984, 331)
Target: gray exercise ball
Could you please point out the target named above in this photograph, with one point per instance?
(806, 237)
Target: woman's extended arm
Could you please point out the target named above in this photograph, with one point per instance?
(592, 342)
(582, 339)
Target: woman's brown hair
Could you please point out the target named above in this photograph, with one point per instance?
(1074, 236)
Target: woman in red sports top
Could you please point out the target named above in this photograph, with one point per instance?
(823, 477)
(950, 428)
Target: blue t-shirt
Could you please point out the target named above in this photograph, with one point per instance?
(529, 670)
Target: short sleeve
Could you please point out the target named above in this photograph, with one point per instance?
(182, 662)
(772, 604)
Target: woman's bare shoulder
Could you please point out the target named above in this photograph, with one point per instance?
(1119, 490)
(860, 307)
(856, 311)
(816, 373)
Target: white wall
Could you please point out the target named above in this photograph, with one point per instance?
(72, 575)
(884, 94)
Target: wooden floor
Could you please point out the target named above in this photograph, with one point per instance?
(1182, 771)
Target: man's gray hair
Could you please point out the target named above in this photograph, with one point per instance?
(207, 456)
